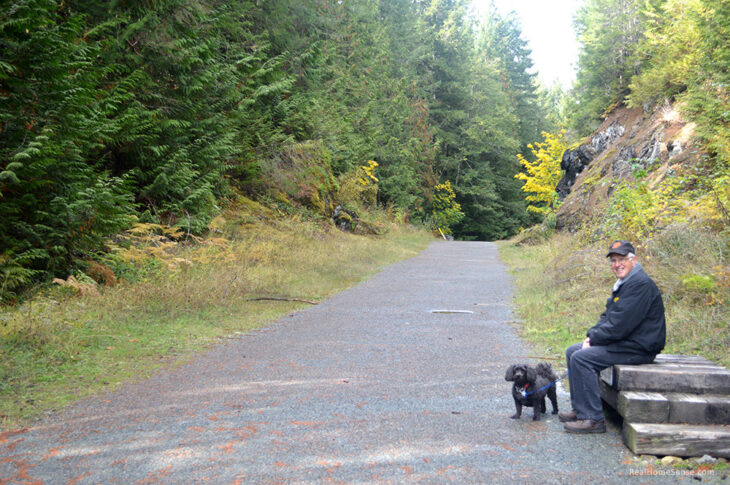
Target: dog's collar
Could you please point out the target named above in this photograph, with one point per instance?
(523, 390)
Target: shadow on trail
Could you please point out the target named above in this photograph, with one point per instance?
(370, 386)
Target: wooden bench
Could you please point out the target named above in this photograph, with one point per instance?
(678, 405)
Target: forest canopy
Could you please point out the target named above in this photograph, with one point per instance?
(154, 111)
(122, 112)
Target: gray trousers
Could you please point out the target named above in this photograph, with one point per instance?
(584, 365)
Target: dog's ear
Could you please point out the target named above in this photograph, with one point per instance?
(531, 374)
(510, 375)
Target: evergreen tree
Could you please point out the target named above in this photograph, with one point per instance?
(117, 110)
(553, 100)
(491, 199)
(408, 150)
(708, 98)
(359, 93)
(501, 39)
(669, 52)
(57, 199)
(201, 77)
(609, 32)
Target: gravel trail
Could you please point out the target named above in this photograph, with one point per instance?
(373, 385)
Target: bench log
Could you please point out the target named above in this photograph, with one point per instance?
(643, 407)
(677, 439)
(699, 409)
(694, 379)
(677, 405)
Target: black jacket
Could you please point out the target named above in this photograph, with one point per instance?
(634, 317)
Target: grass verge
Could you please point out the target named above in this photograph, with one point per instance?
(175, 299)
(562, 284)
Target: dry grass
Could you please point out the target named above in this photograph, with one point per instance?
(562, 284)
(175, 298)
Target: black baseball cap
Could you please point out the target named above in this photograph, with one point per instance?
(620, 247)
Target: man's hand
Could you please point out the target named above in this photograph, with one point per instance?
(586, 343)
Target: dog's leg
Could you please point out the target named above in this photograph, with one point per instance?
(543, 408)
(553, 395)
(537, 404)
(518, 407)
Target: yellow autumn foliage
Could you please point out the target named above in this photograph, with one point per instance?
(446, 210)
(367, 175)
(358, 188)
(542, 176)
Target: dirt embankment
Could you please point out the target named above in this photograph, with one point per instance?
(627, 142)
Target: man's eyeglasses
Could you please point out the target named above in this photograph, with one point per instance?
(620, 260)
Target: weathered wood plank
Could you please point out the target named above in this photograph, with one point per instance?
(676, 408)
(643, 407)
(668, 362)
(658, 378)
(607, 375)
(674, 366)
(698, 409)
(677, 439)
(680, 359)
(608, 394)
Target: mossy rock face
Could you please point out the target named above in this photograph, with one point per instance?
(366, 229)
(344, 219)
(536, 234)
(349, 221)
(628, 142)
(302, 174)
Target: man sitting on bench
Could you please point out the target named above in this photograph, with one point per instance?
(632, 330)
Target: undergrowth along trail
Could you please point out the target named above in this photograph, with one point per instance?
(173, 299)
(562, 283)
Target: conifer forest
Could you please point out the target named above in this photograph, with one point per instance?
(121, 111)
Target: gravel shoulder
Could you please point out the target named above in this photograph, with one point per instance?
(374, 385)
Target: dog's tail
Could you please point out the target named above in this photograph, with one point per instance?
(546, 370)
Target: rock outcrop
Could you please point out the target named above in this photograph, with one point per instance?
(576, 160)
(349, 221)
(629, 141)
(573, 163)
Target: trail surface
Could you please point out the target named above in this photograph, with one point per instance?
(370, 386)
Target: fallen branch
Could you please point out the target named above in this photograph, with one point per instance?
(273, 298)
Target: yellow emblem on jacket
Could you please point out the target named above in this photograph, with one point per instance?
(615, 299)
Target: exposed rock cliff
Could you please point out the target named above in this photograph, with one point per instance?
(627, 141)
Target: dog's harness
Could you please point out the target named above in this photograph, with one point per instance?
(524, 392)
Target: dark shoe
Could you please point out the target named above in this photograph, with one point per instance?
(586, 426)
(567, 416)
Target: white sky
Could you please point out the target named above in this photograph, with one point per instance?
(547, 25)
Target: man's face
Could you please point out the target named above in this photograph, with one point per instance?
(621, 265)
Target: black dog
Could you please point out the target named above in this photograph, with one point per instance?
(529, 388)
